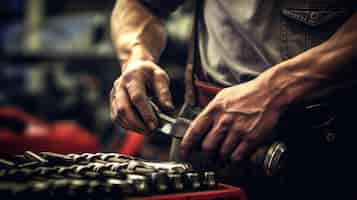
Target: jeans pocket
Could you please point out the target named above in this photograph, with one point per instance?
(302, 29)
(314, 17)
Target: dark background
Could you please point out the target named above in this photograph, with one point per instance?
(67, 71)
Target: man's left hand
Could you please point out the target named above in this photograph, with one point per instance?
(237, 120)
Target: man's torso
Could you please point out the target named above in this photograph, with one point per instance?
(238, 39)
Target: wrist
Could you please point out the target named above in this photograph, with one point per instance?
(284, 85)
(138, 53)
(291, 81)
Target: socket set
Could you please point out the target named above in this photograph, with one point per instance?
(96, 176)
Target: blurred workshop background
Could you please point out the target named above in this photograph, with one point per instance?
(57, 68)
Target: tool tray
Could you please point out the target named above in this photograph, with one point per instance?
(49, 175)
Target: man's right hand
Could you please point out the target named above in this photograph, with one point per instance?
(129, 103)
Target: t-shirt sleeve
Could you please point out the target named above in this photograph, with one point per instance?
(162, 8)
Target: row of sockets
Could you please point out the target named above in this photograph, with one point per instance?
(93, 174)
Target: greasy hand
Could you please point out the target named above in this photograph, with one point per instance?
(129, 99)
(234, 122)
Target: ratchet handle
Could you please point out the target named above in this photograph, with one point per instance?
(271, 159)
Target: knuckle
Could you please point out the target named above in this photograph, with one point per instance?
(127, 77)
(142, 64)
(165, 91)
(133, 75)
(142, 70)
(115, 96)
(139, 71)
(120, 110)
(117, 82)
(226, 124)
(215, 107)
(151, 64)
(137, 97)
(219, 101)
(161, 74)
(250, 138)
(220, 93)
(131, 84)
(213, 111)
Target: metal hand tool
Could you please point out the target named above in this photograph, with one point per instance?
(175, 128)
(272, 158)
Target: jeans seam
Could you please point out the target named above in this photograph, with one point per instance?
(284, 40)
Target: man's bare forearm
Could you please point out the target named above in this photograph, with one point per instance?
(136, 33)
(320, 68)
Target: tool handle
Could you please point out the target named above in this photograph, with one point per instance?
(272, 159)
(175, 149)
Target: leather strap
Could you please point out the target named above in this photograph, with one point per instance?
(190, 98)
(205, 92)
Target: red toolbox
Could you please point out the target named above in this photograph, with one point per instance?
(38, 135)
(223, 192)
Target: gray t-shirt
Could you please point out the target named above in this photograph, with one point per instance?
(238, 39)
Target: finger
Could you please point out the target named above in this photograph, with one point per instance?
(121, 123)
(125, 112)
(138, 98)
(113, 111)
(216, 136)
(162, 89)
(252, 140)
(198, 128)
(242, 150)
(230, 143)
